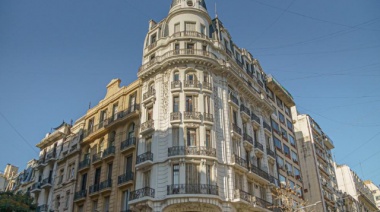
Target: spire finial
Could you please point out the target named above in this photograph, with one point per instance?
(216, 12)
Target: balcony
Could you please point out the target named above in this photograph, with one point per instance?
(109, 153)
(240, 195)
(96, 158)
(93, 190)
(194, 151)
(42, 208)
(267, 127)
(254, 170)
(245, 112)
(105, 186)
(36, 187)
(142, 193)
(130, 143)
(192, 85)
(51, 157)
(271, 153)
(236, 131)
(125, 179)
(175, 117)
(328, 142)
(151, 46)
(277, 88)
(147, 127)
(263, 204)
(248, 139)
(84, 165)
(208, 118)
(273, 181)
(255, 119)
(233, 100)
(46, 183)
(144, 159)
(239, 162)
(192, 189)
(122, 115)
(176, 85)
(80, 195)
(192, 117)
(150, 95)
(259, 148)
(207, 87)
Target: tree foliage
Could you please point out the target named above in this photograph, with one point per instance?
(10, 202)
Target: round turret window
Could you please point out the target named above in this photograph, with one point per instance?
(190, 3)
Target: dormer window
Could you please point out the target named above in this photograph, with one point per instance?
(153, 38)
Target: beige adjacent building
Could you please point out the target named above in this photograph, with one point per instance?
(375, 191)
(317, 164)
(5, 178)
(107, 150)
(284, 141)
(23, 181)
(45, 172)
(65, 176)
(358, 196)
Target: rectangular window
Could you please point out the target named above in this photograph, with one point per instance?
(208, 175)
(289, 168)
(284, 134)
(125, 205)
(95, 206)
(291, 184)
(153, 38)
(175, 174)
(175, 136)
(238, 181)
(236, 147)
(83, 182)
(114, 111)
(109, 171)
(102, 118)
(177, 27)
(192, 174)
(146, 180)
(250, 188)
(176, 104)
(286, 151)
(97, 176)
(287, 111)
(289, 124)
(106, 204)
(275, 127)
(282, 180)
(150, 113)
(190, 27)
(281, 117)
(191, 137)
(292, 141)
(189, 103)
(148, 144)
(277, 143)
(132, 102)
(207, 104)
(90, 124)
(80, 208)
(208, 139)
(279, 103)
(128, 164)
(190, 48)
(294, 157)
(176, 48)
(280, 162)
(203, 29)
(234, 117)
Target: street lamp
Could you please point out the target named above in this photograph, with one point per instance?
(307, 206)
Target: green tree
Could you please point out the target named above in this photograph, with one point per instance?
(10, 202)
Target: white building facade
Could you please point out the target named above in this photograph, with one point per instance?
(205, 129)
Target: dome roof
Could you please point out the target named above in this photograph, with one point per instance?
(202, 3)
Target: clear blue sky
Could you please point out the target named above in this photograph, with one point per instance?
(57, 56)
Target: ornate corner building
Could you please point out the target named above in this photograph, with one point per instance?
(205, 140)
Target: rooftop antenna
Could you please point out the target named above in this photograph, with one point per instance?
(216, 13)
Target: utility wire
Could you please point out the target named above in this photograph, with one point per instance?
(310, 17)
(18, 133)
(271, 25)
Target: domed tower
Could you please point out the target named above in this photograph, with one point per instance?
(187, 159)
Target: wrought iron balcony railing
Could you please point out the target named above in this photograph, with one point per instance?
(125, 177)
(255, 118)
(176, 84)
(147, 156)
(80, 194)
(84, 164)
(270, 152)
(245, 110)
(248, 138)
(109, 151)
(267, 126)
(234, 99)
(147, 125)
(207, 86)
(192, 189)
(105, 184)
(127, 143)
(189, 150)
(191, 84)
(236, 129)
(259, 146)
(259, 172)
(175, 116)
(140, 193)
(93, 189)
(238, 160)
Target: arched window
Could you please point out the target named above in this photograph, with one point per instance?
(111, 138)
(131, 131)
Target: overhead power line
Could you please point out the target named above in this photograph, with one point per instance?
(361, 146)
(18, 133)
